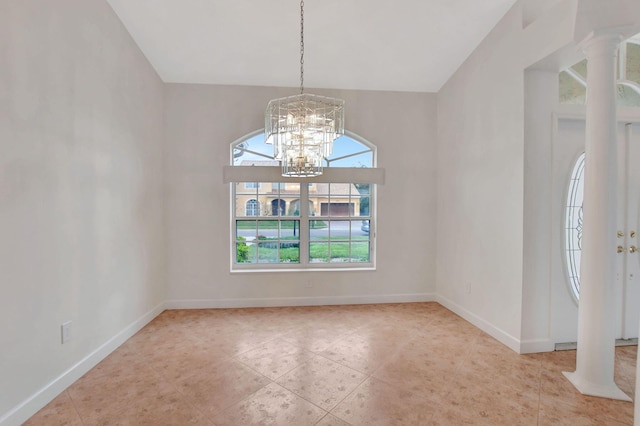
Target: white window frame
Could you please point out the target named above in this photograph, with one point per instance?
(371, 175)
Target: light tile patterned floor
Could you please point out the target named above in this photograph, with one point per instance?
(397, 364)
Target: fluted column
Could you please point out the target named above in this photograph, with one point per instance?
(596, 310)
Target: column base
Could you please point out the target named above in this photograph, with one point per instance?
(585, 387)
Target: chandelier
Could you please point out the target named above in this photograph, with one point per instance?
(302, 127)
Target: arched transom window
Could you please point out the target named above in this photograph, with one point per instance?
(573, 80)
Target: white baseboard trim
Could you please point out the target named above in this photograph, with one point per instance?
(482, 324)
(536, 346)
(33, 404)
(297, 301)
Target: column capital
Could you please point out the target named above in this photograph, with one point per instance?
(603, 38)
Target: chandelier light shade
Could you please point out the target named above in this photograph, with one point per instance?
(302, 128)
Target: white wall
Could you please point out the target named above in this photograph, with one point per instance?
(480, 185)
(541, 97)
(495, 188)
(202, 121)
(81, 222)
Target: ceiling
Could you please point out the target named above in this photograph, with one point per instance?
(401, 45)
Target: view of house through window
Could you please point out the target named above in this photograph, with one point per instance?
(297, 224)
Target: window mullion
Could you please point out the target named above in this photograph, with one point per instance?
(304, 223)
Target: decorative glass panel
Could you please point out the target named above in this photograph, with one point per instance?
(573, 227)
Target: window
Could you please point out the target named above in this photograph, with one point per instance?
(573, 225)
(253, 208)
(301, 224)
(573, 80)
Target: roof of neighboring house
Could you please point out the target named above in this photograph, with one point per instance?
(259, 163)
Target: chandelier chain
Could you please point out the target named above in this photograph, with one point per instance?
(301, 47)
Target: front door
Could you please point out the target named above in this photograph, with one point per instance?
(628, 273)
(565, 291)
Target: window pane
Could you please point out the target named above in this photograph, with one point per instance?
(360, 252)
(289, 229)
(290, 251)
(348, 152)
(633, 62)
(627, 96)
(246, 233)
(362, 199)
(360, 205)
(246, 229)
(268, 229)
(245, 253)
(360, 229)
(318, 230)
(318, 252)
(340, 230)
(571, 91)
(267, 250)
(339, 251)
(360, 160)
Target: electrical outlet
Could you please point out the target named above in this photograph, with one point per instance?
(65, 329)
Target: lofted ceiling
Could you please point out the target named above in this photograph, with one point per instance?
(401, 45)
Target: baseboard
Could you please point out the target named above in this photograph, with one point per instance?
(297, 301)
(33, 404)
(536, 346)
(490, 329)
(572, 346)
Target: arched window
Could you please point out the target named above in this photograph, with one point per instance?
(252, 208)
(573, 80)
(278, 207)
(324, 222)
(573, 225)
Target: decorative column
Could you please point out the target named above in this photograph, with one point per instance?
(596, 326)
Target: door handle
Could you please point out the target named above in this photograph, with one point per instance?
(621, 249)
(633, 249)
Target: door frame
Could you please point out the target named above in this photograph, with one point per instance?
(563, 325)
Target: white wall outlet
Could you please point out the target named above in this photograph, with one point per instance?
(65, 329)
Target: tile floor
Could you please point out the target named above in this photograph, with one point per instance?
(397, 364)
